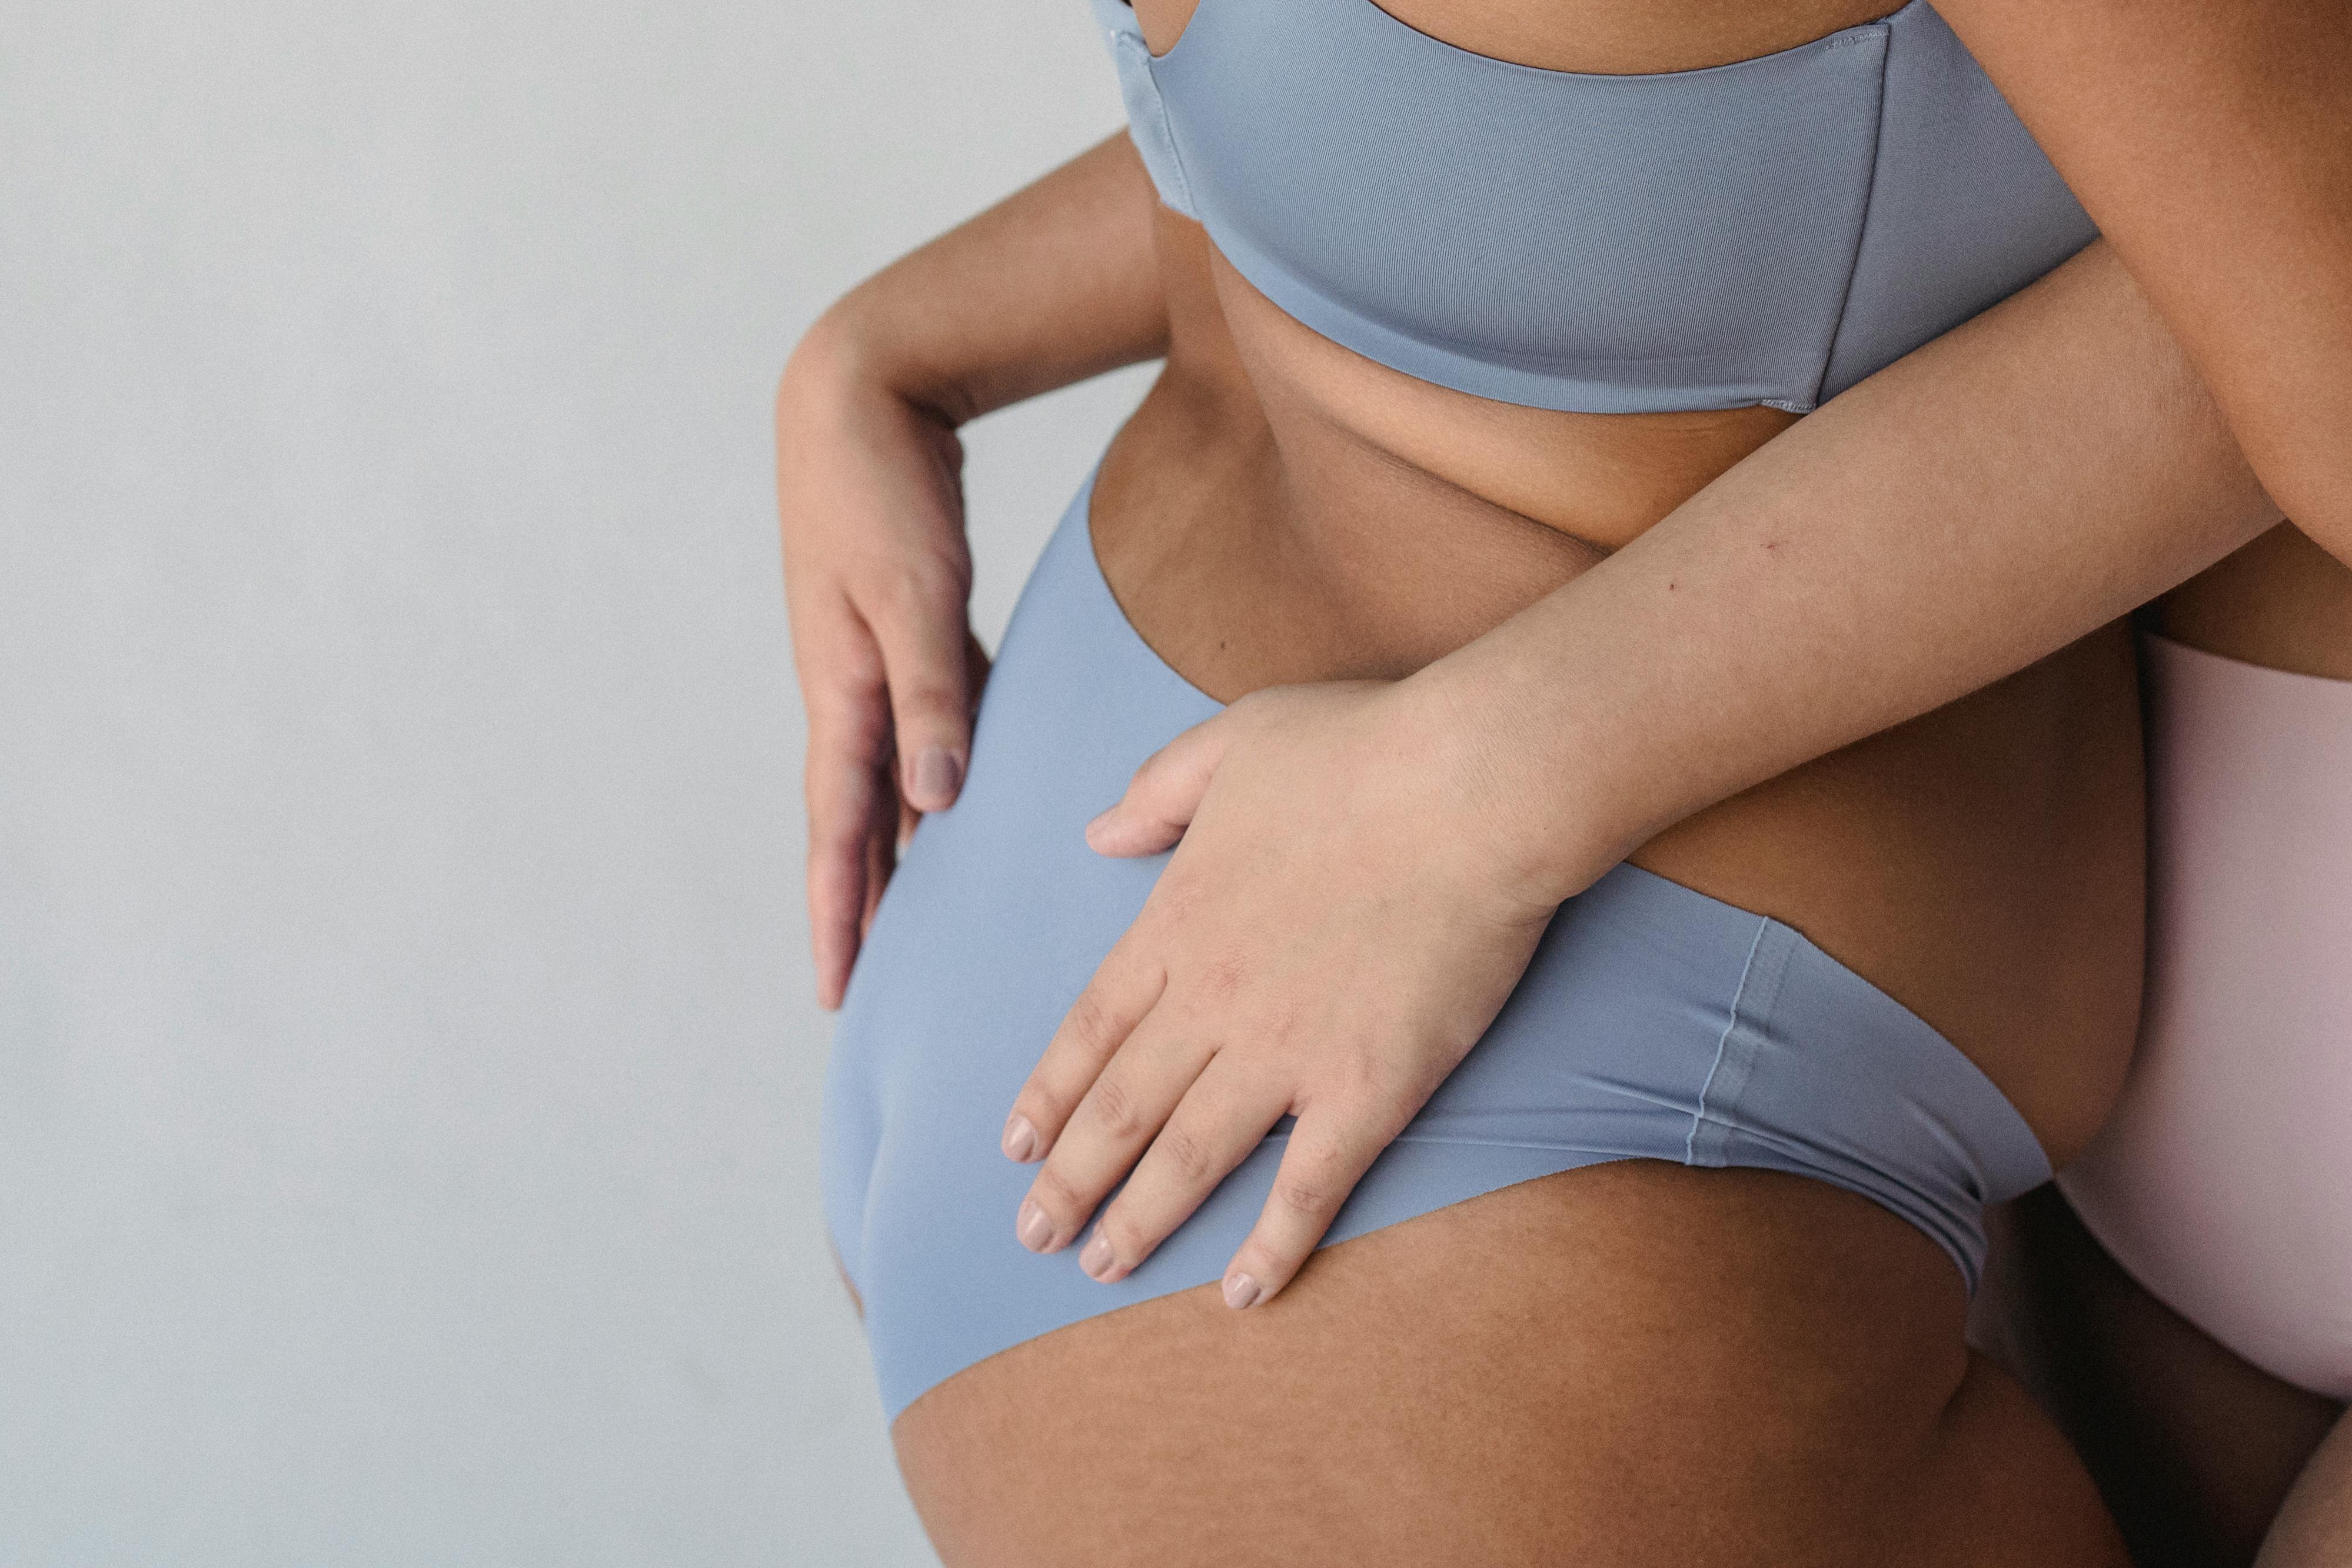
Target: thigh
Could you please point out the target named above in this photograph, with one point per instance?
(2193, 1447)
(1628, 1364)
(2314, 1529)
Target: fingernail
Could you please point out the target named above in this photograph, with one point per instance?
(1241, 1291)
(1036, 1229)
(1020, 1138)
(1095, 1259)
(936, 774)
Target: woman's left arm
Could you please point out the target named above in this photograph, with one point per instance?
(2212, 144)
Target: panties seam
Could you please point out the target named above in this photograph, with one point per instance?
(1723, 1043)
(1500, 1144)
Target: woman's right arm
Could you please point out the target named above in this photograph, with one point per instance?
(1056, 283)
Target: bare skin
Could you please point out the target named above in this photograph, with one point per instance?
(1303, 547)
(2212, 144)
(1634, 1363)
(2281, 601)
(2195, 1450)
(2060, 590)
(1638, 1363)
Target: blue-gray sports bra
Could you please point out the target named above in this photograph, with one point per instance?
(1770, 231)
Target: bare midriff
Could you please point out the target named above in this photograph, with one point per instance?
(1281, 508)
(1633, 1363)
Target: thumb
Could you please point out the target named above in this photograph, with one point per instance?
(1164, 793)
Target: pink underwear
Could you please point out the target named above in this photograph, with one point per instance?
(2224, 1181)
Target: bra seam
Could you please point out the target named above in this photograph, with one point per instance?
(1167, 128)
(1862, 222)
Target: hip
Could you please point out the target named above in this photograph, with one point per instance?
(1982, 862)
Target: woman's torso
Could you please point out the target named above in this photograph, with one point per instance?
(2195, 1445)
(1282, 508)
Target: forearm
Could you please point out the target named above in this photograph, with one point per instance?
(1055, 283)
(1974, 507)
(2212, 143)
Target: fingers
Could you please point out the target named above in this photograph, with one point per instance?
(1122, 1112)
(850, 805)
(1163, 796)
(921, 629)
(1122, 990)
(1220, 1119)
(976, 665)
(881, 860)
(1330, 1152)
(862, 691)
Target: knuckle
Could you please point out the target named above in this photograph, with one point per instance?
(1055, 1195)
(831, 866)
(1089, 1021)
(1114, 1109)
(1284, 1025)
(839, 828)
(1045, 1105)
(920, 585)
(1147, 772)
(927, 701)
(1174, 898)
(1378, 1083)
(1221, 975)
(1185, 1154)
(1128, 1241)
(1304, 1198)
(848, 714)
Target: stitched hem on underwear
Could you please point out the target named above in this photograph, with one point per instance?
(1752, 1003)
(1500, 1144)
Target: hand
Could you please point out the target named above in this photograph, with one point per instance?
(877, 576)
(1337, 927)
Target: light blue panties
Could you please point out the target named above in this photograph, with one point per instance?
(1654, 1022)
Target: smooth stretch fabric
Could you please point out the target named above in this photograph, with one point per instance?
(1654, 1022)
(2223, 1181)
(1766, 232)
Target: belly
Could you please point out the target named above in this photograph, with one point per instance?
(1647, 1356)
(1281, 509)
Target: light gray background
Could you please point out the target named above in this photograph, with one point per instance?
(408, 1068)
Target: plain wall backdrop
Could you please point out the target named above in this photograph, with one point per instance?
(408, 1065)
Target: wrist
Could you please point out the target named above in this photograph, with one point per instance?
(1516, 778)
(860, 345)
